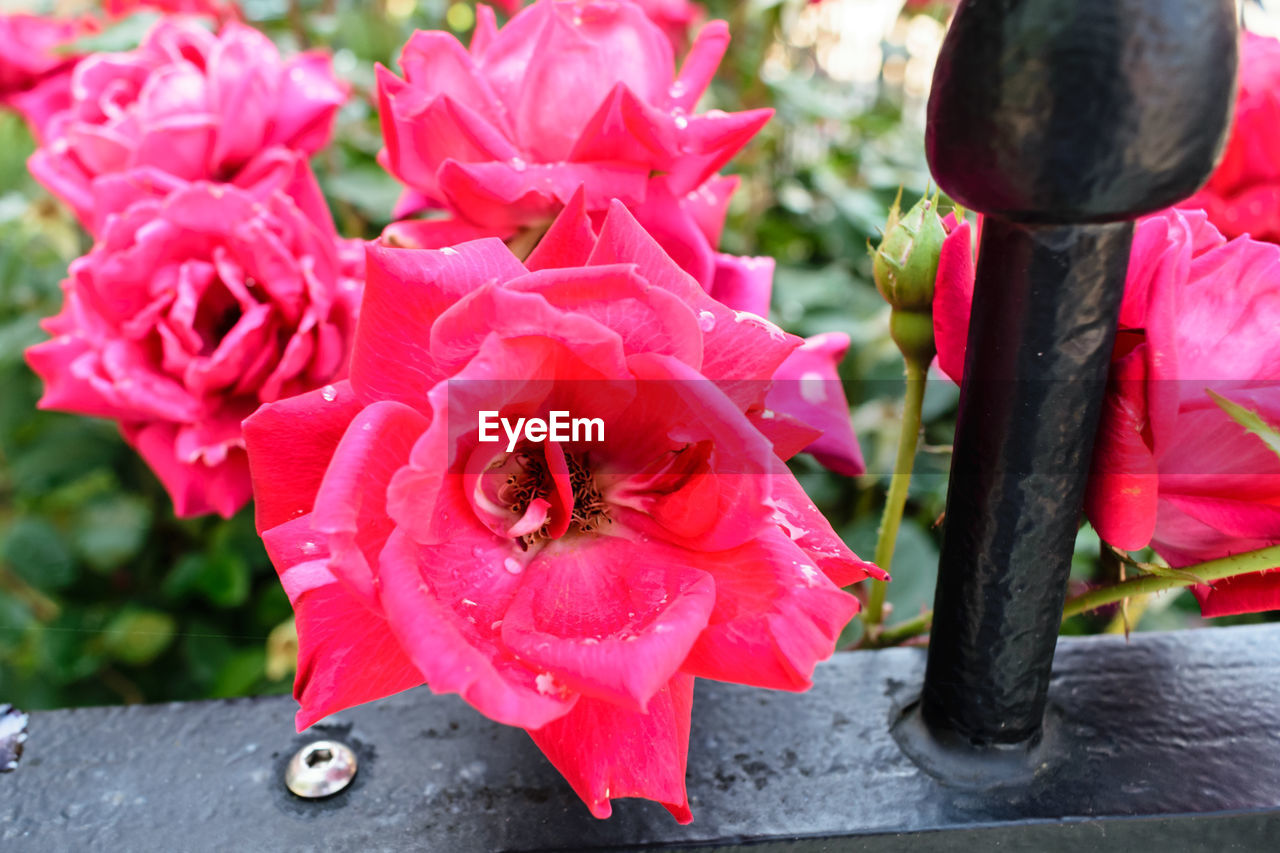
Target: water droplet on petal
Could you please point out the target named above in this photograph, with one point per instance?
(678, 89)
(329, 393)
(518, 164)
(682, 122)
(512, 565)
(813, 388)
(756, 319)
(448, 250)
(706, 321)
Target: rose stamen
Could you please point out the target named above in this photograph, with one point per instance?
(590, 510)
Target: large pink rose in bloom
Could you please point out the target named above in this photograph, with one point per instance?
(599, 107)
(807, 383)
(574, 589)
(1171, 468)
(35, 80)
(199, 303)
(567, 94)
(1243, 196)
(189, 103)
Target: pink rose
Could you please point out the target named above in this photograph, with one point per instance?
(574, 589)
(1243, 196)
(673, 17)
(1171, 468)
(464, 132)
(35, 80)
(221, 10)
(186, 102)
(567, 94)
(199, 303)
(808, 386)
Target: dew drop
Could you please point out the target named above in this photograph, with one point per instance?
(678, 89)
(682, 122)
(448, 250)
(329, 393)
(756, 319)
(813, 388)
(706, 321)
(518, 164)
(512, 565)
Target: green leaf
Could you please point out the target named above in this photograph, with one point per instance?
(70, 650)
(205, 651)
(369, 189)
(915, 564)
(110, 533)
(138, 636)
(225, 580)
(1250, 420)
(122, 36)
(221, 577)
(240, 673)
(37, 552)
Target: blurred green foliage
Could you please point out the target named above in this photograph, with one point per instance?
(105, 597)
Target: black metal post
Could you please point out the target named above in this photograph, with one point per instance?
(1061, 120)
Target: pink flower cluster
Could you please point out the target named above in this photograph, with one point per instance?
(189, 103)
(35, 80)
(199, 302)
(573, 589)
(35, 68)
(584, 94)
(217, 282)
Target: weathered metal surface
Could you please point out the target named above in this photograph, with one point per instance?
(1071, 111)
(1170, 742)
(1044, 320)
(1060, 120)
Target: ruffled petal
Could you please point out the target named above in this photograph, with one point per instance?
(608, 752)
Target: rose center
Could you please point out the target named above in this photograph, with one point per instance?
(531, 480)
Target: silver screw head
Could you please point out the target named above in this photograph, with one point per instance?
(321, 768)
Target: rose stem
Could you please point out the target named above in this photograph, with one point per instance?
(1211, 570)
(896, 500)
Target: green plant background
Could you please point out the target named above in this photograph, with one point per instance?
(106, 597)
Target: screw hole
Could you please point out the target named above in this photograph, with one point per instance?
(319, 756)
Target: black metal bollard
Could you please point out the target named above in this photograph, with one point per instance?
(1061, 121)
